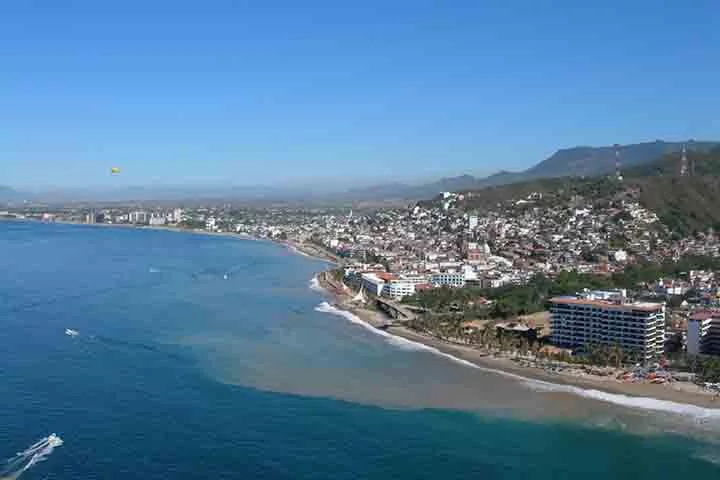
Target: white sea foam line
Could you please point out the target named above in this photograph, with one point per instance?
(645, 403)
(294, 249)
(315, 285)
(34, 454)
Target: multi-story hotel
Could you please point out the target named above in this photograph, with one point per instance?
(588, 320)
(703, 335)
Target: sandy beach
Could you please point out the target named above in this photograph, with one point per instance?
(306, 249)
(678, 392)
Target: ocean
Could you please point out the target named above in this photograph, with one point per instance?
(203, 357)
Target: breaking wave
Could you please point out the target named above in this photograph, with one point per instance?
(646, 403)
(297, 251)
(315, 285)
(34, 454)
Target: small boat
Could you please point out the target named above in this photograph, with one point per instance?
(71, 333)
(225, 277)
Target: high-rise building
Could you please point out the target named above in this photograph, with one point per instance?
(472, 222)
(449, 279)
(590, 320)
(703, 335)
(139, 217)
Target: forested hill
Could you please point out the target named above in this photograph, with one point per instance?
(686, 204)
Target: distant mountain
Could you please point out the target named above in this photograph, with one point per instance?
(576, 161)
(685, 204)
(402, 191)
(590, 161)
(570, 162)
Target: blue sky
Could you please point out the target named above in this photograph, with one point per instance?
(264, 92)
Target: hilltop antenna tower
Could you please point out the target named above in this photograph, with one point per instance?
(618, 172)
(683, 162)
(692, 158)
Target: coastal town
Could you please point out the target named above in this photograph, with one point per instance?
(563, 286)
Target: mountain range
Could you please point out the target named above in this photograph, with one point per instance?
(570, 162)
(686, 204)
(576, 162)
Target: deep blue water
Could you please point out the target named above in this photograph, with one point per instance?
(179, 372)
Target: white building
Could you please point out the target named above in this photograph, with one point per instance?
(177, 215)
(703, 335)
(614, 294)
(634, 327)
(157, 220)
(399, 288)
(472, 222)
(210, 224)
(138, 217)
(621, 256)
(449, 279)
(372, 283)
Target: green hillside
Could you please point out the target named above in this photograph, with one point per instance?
(686, 204)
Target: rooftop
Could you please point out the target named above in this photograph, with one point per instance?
(705, 314)
(644, 306)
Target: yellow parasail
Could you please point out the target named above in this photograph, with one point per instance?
(115, 170)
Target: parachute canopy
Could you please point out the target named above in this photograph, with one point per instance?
(115, 170)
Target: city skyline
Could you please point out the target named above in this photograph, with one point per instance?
(275, 95)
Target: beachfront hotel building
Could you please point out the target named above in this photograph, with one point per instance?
(588, 320)
(703, 334)
(372, 282)
(448, 279)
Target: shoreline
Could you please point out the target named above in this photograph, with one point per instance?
(682, 395)
(309, 250)
(673, 392)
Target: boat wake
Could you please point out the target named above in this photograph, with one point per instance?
(34, 454)
(700, 414)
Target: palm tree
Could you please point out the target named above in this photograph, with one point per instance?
(616, 356)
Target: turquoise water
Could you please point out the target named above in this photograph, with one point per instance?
(207, 357)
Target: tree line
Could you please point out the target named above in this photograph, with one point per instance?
(512, 300)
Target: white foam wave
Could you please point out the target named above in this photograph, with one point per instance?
(296, 250)
(645, 403)
(315, 285)
(711, 456)
(34, 454)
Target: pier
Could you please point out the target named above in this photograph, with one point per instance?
(394, 310)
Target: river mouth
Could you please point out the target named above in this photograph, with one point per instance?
(318, 354)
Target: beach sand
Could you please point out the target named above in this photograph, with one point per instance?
(679, 392)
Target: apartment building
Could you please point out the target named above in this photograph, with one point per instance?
(703, 335)
(583, 321)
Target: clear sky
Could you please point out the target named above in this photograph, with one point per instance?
(263, 92)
